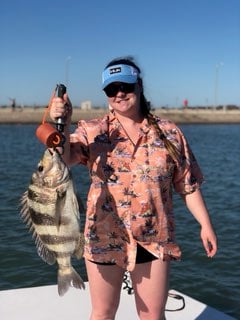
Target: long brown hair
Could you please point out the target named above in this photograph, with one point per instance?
(145, 107)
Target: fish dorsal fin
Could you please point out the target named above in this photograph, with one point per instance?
(42, 250)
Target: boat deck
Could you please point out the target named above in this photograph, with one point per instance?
(43, 303)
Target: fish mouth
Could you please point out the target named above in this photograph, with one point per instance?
(62, 167)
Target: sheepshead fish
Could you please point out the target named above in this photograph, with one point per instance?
(50, 209)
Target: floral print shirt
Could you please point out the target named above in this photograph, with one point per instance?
(130, 196)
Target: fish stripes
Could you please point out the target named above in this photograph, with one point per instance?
(51, 211)
(55, 239)
(33, 194)
(39, 218)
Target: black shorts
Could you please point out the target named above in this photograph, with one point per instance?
(142, 256)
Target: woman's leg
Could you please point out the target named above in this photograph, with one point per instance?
(105, 283)
(150, 284)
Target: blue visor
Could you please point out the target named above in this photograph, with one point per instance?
(119, 73)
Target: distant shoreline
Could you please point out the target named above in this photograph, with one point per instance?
(179, 116)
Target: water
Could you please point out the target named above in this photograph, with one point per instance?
(213, 281)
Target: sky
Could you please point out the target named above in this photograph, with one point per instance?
(186, 49)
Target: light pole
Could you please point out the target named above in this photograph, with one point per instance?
(67, 70)
(218, 65)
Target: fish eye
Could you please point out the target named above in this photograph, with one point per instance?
(40, 168)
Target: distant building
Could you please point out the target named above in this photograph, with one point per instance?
(86, 105)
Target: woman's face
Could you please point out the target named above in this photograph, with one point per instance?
(126, 103)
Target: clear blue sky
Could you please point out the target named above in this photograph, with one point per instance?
(180, 46)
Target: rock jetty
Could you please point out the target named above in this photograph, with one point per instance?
(180, 116)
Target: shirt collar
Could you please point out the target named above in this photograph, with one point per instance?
(113, 119)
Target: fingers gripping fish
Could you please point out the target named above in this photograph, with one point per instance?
(50, 209)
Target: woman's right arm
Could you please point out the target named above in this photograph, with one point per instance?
(62, 108)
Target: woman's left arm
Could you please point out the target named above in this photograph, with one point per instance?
(196, 205)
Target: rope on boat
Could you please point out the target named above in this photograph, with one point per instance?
(178, 297)
(128, 286)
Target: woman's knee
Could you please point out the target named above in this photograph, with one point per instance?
(104, 312)
(151, 312)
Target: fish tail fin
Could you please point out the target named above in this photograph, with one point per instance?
(69, 279)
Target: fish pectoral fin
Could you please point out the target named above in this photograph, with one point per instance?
(61, 192)
(44, 253)
(60, 203)
(80, 246)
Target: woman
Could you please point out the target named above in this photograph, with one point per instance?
(134, 159)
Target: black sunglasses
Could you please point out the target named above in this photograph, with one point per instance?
(113, 88)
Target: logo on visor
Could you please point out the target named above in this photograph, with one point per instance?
(115, 70)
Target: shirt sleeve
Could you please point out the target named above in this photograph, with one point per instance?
(79, 146)
(187, 176)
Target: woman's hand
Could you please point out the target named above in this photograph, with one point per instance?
(61, 108)
(196, 205)
(209, 241)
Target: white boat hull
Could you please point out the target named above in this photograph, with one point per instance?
(43, 303)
